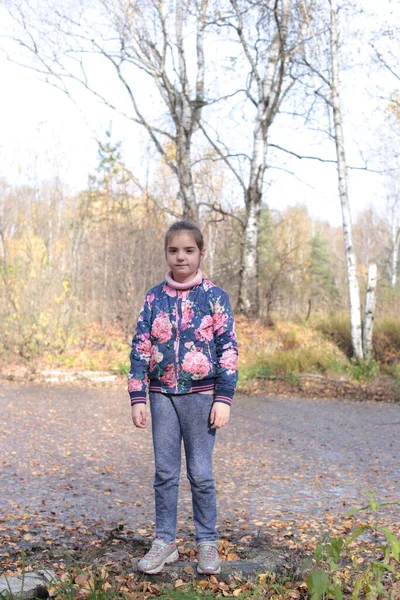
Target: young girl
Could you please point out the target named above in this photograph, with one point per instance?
(184, 349)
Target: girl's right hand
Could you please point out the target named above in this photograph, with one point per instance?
(139, 415)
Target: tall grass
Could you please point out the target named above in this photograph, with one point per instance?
(287, 349)
(335, 327)
(321, 346)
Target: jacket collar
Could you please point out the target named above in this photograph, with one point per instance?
(197, 279)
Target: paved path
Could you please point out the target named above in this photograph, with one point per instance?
(74, 455)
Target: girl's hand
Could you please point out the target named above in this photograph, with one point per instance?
(220, 414)
(139, 415)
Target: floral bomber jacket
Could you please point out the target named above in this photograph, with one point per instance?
(184, 342)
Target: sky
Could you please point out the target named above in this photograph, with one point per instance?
(45, 135)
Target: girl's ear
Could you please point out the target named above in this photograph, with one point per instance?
(202, 254)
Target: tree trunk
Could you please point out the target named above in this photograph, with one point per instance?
(248, 301)
(395, 247)
(184, 164)
(187, 112)
(354, 293)
(369, 311)
(269, 89)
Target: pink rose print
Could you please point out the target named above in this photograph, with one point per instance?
(169, 290)
(144, 349)
(205, 331)
(150, 298)
(134, 385)
(162, 328)
(196, 363)
(208, 284)
(169, 376)
(219, 322)
(187, 315)
(229, 359)
(155, 357)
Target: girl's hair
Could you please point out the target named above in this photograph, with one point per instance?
(185, 226)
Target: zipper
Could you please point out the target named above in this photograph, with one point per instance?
(177, 342)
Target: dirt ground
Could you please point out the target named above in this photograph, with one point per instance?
(73, 468)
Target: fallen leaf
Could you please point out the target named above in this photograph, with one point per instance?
(189, 569)
(80, 579)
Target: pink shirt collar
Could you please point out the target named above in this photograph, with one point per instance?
(197, 279)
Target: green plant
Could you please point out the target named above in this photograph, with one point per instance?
(363, 581)
(336, 326)
(120, 368)
(363, 370)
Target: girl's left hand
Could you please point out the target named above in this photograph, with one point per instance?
(220, 414)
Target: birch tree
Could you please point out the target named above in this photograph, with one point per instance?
(394, 241)
(267, 34)
(343, 186)
(322, 57)
(157, 46)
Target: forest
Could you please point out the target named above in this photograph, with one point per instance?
(223, 81)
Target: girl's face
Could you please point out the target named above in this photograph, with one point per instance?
(183, 256)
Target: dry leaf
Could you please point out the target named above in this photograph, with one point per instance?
(189, 570)
(232, 556)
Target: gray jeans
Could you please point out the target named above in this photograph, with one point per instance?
(187, 417)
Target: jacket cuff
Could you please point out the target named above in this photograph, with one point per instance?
(224, 395)
(137, 397)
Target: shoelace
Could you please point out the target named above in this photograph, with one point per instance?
(155, 550)
(208, 552)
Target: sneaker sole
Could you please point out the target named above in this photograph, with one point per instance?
(208, 571)
(170, 559)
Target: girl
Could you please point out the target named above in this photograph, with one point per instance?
(184, 349)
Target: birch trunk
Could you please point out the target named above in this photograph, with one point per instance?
(185, 179)
(187, 112)
(248, 300)
(351, 262)
(269, 96)
(395, 247)
(369, 311)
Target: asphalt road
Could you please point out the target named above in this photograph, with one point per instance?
(73, 454)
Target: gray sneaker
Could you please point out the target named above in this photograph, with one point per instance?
(159, 554)
(209, 562)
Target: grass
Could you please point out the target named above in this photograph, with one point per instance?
(92, 584)
(320, 347)
(287, 349)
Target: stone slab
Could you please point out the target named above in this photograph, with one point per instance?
(26, 587)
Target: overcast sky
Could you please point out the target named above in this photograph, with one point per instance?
(43, 134)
